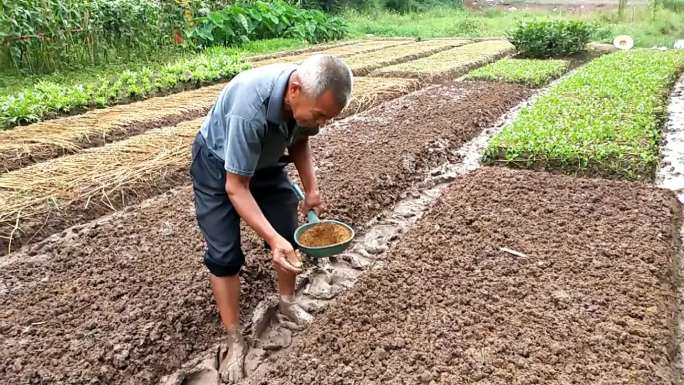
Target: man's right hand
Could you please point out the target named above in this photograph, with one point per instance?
(285, 257)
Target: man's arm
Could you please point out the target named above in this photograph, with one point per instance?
(303, 161)
(237, 188)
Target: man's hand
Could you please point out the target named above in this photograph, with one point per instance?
(313, 201)
(285, 257)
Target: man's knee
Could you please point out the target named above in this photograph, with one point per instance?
(226, 265)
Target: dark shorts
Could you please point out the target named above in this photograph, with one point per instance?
(218, 220)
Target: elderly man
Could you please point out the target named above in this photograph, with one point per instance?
(238, 171)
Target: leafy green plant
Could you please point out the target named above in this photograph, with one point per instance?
(533, 72)
(603, 120)
(46, 98)
(45, 35)
(25, 99)
(548, 38)
(238, 23)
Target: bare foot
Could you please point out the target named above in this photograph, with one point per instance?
(232, 361)
(294, 313)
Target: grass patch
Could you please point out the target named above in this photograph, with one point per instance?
(603, 120)
(449, 63)
(647, 30)
(437, 22)
(532, 72)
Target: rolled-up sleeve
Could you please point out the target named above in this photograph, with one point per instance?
(243, 145)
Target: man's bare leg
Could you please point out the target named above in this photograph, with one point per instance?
(288, 307)
(227, 295)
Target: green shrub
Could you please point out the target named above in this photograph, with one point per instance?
(238, 24)
(548, 38)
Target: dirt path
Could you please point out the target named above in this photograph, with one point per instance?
(126, 300)
(513, 278)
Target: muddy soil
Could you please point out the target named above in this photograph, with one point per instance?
(670, 175)
(126, 300)
(115, 301)
(514, 277)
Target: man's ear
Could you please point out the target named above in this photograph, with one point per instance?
(295, 85)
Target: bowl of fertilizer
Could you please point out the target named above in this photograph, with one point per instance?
(321, 238)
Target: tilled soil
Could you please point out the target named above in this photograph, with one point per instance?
(126, 300)
(116, 301)
(513, 277)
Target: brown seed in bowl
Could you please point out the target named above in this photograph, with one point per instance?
(324, 234)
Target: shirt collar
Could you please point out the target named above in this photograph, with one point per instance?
(274, 111)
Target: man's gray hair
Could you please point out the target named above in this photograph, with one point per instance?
(320, 73)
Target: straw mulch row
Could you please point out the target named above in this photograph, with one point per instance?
(23, 146)
(365, 46)
(449, 64)
(364, 63)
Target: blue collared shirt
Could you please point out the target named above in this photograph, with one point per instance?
(246, 127)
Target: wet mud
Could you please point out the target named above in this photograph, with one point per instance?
(513, 277)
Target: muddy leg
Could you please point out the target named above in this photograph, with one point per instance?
(288, 307)
(227, 295)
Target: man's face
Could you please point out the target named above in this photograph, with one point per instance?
(311, 112)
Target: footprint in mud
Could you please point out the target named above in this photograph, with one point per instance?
(275, 337)
(320, 286)
(198, 372)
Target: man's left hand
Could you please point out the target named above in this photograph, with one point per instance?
(313, 201)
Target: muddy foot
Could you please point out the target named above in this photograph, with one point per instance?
(297, 317)
(232, 361)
